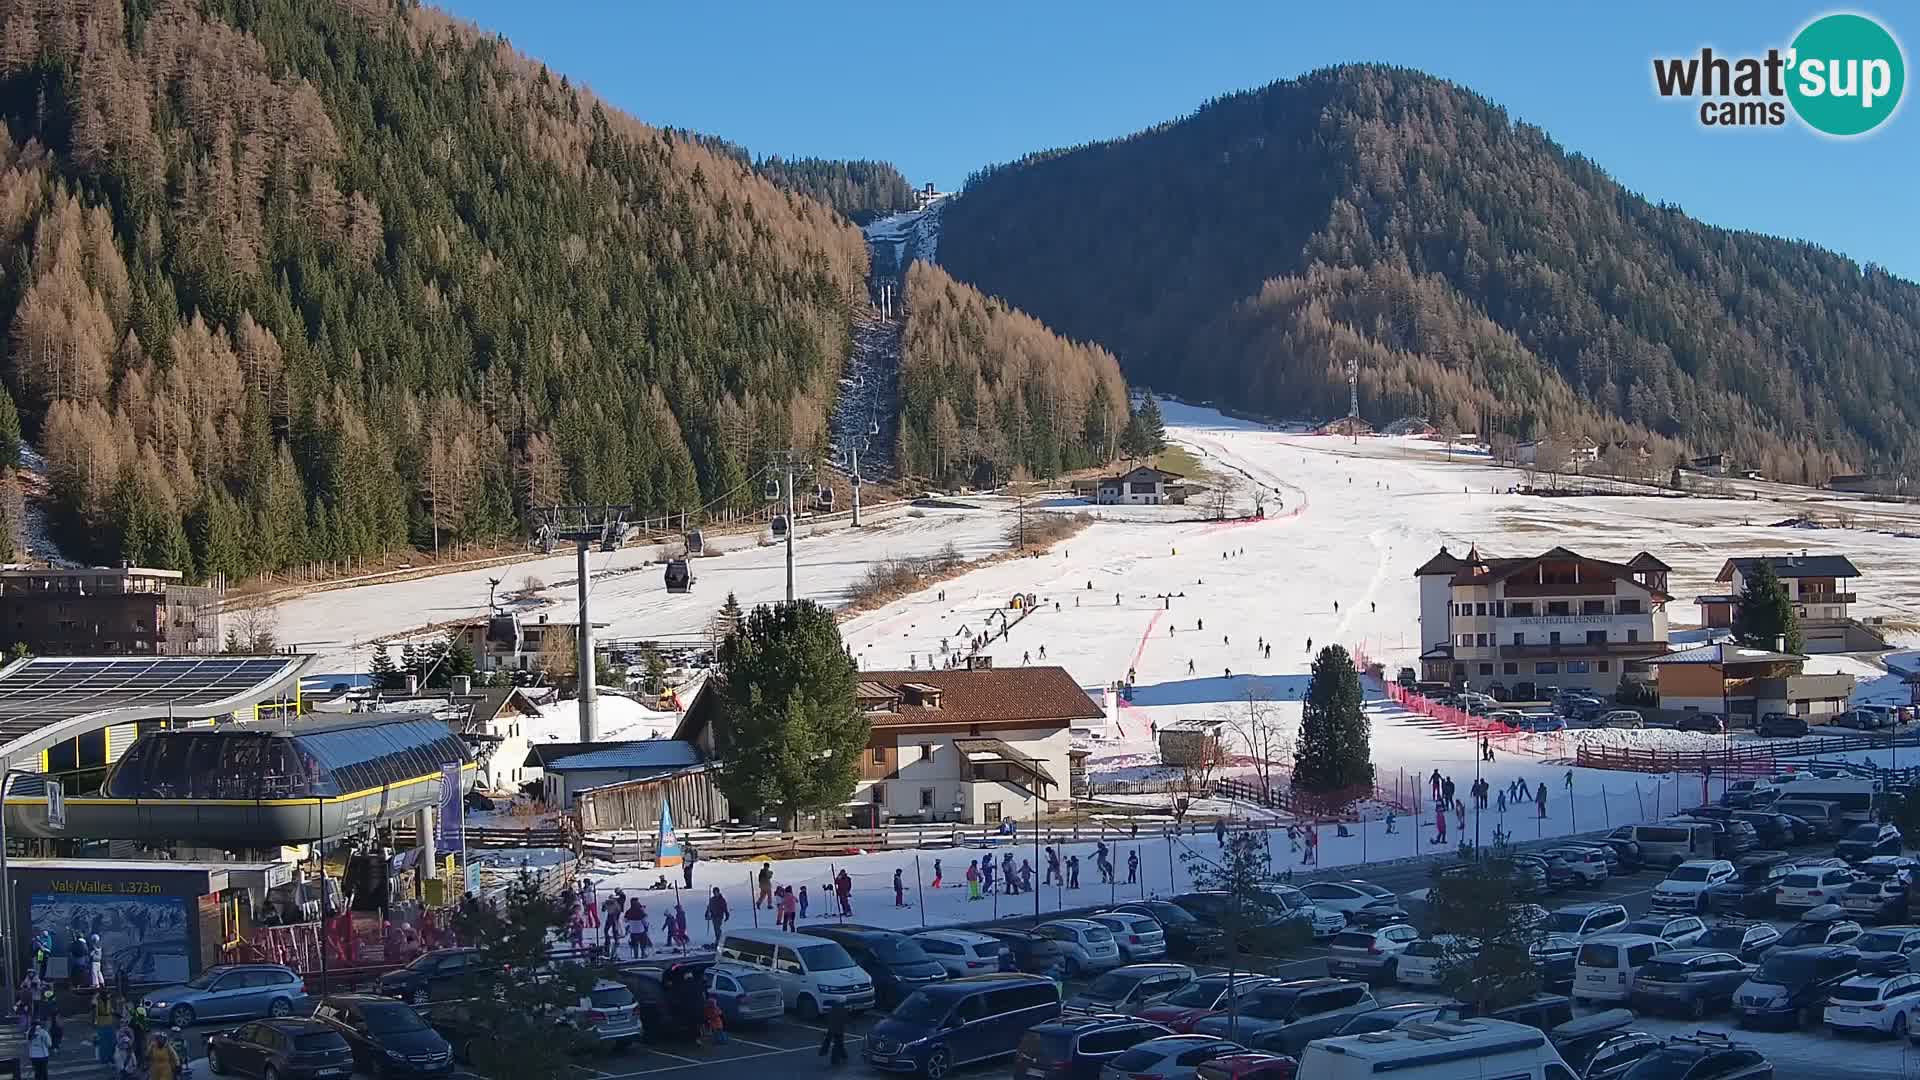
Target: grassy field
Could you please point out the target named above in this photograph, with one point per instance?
(1178, 459)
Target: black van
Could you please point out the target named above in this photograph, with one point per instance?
(961, 1021)
(898, 964)
(1076, 1048)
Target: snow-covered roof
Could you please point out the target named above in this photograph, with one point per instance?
(645, 754)
(1724, 653)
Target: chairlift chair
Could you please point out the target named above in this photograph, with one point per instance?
(873, 427)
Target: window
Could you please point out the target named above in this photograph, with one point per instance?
(926, 798)
(1479, 609)
(1465, 640)
(926, 751)
(1633, 635)
(1510, 668)
(1593, 607)
(1576, 667)
(1605, 666)
(1521, 609)
(879, 794)
(1480, 640)
(1629, 607)
(1558, 607)
(1596, 637)
(1486, 669)
(879, 756)
(1553, 637)
(1546, 667)
(1519, 638)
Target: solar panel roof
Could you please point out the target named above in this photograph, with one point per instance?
(46, 691)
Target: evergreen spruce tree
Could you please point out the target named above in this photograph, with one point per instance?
(409, 661)
(9, 431)
(1334, 752)
(1481, 912)
(789, 736)
(1766, 614)
(1153, 429)
(385, 677)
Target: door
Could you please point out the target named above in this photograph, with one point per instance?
(787, 969)
(242, 1050)
(971, 1033)
(226, 997)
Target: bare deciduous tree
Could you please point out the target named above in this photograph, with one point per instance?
(1223, 496)
(252, 630)
(1257, 722)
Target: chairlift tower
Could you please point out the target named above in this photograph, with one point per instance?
(586, 526)
(793, 466)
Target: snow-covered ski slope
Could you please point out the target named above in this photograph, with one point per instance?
(629, 594)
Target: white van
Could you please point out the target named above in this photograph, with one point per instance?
(1604, 967)
(1670, 843)
(1855, 798)
(1438, 1050)
(814, 974)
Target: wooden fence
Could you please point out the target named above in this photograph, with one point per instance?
(1750, 759)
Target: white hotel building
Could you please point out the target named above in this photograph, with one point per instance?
(1555, 619)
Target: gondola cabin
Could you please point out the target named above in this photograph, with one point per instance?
(779, 526)
(696, 544)
(679, 576)
(823, 499)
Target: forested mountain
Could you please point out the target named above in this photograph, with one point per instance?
(987, 390)
(302, 279)
(1477, 271)
(860, 189)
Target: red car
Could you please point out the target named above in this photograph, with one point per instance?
(1248, 1067)
(1199, 999)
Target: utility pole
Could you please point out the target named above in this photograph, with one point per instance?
(586, 526)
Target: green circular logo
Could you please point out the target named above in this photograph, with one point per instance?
(1847, 74)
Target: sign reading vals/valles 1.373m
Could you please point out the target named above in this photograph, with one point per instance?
(1842, 75)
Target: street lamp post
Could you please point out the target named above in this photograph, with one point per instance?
(6, 885)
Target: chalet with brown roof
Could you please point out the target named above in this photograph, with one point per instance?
(972, 745)
(1554, 619)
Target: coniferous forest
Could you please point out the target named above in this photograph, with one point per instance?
(294, 279)
(1480, 275)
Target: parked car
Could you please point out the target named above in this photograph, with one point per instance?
(1679, 931)
(745, 996)
(1585, 920)
(1865, 840)
(1810, 887)
(605, 1016)
(1859, 720)
(1705, 722)
(1131, 988)
(1803, 830)
(1773, 831)
(1829, 822)
(1690, 981)
(1888, 948)
(1139, 936)
(1555, 956)
(464, 1029)
(1686, 888)
(1559, 874)
(814, 973)
(1388, 1017)
(227, 992)
(1622, 718)
(1589, 866)
(1322, 922)
(1077, 1047)
(1704, 1055)
(1751, 889)
(1876, 899)
(1283, 1017)
(1882, 1004)
(1790, 987)
(1607, 963)
(1608, 1055)
(1249, 1066)
(1747, 940)
(1213, 908)
(1542, 1011)
(1187, 937)
(1372, 955)
(1171, 1057)
(1745, 793)
(1775, 725)
(387, 1037)
(667, 995)
(966, 952)
(1420, 961)
(1362, 902)
(957, 1022)
(895, 962)
(1200, 999)
(1823, 925)
(1032, 953)
(431, 976)
(1631, 859)
(1085, 945)
(290, 1049)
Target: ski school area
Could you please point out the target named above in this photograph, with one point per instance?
(981, 702)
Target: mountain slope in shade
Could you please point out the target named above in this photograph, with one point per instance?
(1478, 273)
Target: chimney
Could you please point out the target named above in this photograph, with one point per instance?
(543, 618)
(413, 685)
(462, 685)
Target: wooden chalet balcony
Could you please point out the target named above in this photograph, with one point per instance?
(1578, 649)
(1512, 589)
(1828, 598)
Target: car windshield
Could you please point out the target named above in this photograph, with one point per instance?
(751, 981)
(1137, 1060)
(1864, 888)
(1688, 873)
(898, 950)
(1269, 1007)
(1353, 940)
(921, 1008)
(390, 1019)
(1803, 881)
(204, 979)
(612, 997)
(1662, 970)
(1880, 941)
(826, 956)
(1785, 969)
(1864, 832)
(1098, 933)
(1113, 986)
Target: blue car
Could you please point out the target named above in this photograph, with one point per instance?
(228, 992)
(961, 1021)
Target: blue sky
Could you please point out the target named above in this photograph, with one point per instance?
(941, 89)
